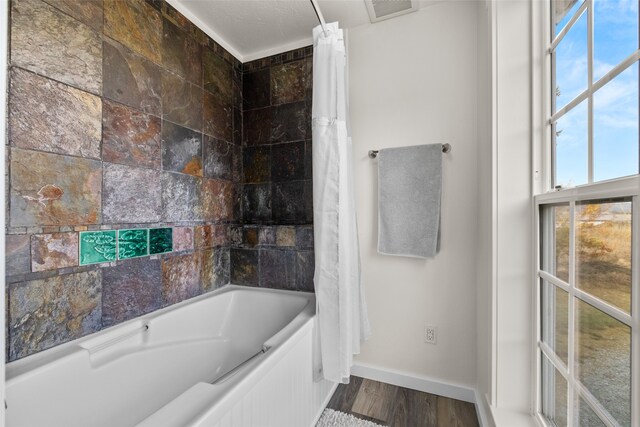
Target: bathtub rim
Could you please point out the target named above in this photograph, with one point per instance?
(34, 363)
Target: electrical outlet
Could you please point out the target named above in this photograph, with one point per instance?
(430, 334)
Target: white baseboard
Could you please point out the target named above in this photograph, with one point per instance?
(484, 411)
(427, 385)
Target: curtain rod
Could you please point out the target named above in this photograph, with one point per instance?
(316, 8)
(446, 148)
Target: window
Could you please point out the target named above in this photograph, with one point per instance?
(588, 284)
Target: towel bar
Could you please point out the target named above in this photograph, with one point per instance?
(446, 148)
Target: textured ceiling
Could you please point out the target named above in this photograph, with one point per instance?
(252, 29)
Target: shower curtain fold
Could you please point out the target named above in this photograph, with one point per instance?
(341, 306)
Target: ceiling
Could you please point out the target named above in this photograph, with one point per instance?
(252, 29)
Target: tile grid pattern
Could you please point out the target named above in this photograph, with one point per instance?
(274, 245)
(137, 124)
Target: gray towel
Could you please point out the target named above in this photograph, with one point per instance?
(409, 190)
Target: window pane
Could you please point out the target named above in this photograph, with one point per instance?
(603, 365)
(615, 33)
(571, 147)
(563, 10)
(555, 319)
(603, 250)
(555, 239)
(584, 415)
(571, 63)
(615, 127)
(554, 401)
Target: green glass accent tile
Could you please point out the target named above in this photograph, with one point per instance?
(133, 243)
(97, 247)
(160, 240)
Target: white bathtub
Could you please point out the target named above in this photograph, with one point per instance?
(235, 357)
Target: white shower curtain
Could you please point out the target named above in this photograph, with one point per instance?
(341, 307)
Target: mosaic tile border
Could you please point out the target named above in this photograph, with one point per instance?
(97, 247)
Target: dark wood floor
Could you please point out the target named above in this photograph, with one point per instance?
(395, 406)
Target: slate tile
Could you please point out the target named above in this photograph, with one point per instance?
(181, 278)
(286, 236)
(181, 101)
(182, 239)
(181, 197)
(47, 312)
(130, 137)
(53, 251)
(181, 53)
(131, 289)
(250, 238)
(236, 164)
(304, 237)
(257, 127)
(181, 149)
(256, 89)
(170, 13)
(237, 202)
(215, 268)
(131, 195)
(217, 78)
(237, 126)
(156, 4)
(50, 43)
(288, 202)
(203, 236)
(48, 189)
(236, 77)
(244, 267)
(17, 254)
(89, 12)
(257, 164)
(308, 160)
(305, 268)
(289, 122)
(235, 235)
(277, 269)
(218, 121)
(68, 121)
(131, 79)
(256, 202)
(267, 235)
(218, 158)
(217, 198)
(287, 161)
(288, 82)
(136, 24)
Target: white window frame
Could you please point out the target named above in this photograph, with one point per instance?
(543, 139)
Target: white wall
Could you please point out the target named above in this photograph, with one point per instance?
(413, 81)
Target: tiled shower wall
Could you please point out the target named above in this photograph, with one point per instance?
(274, 246)
(122, 114)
